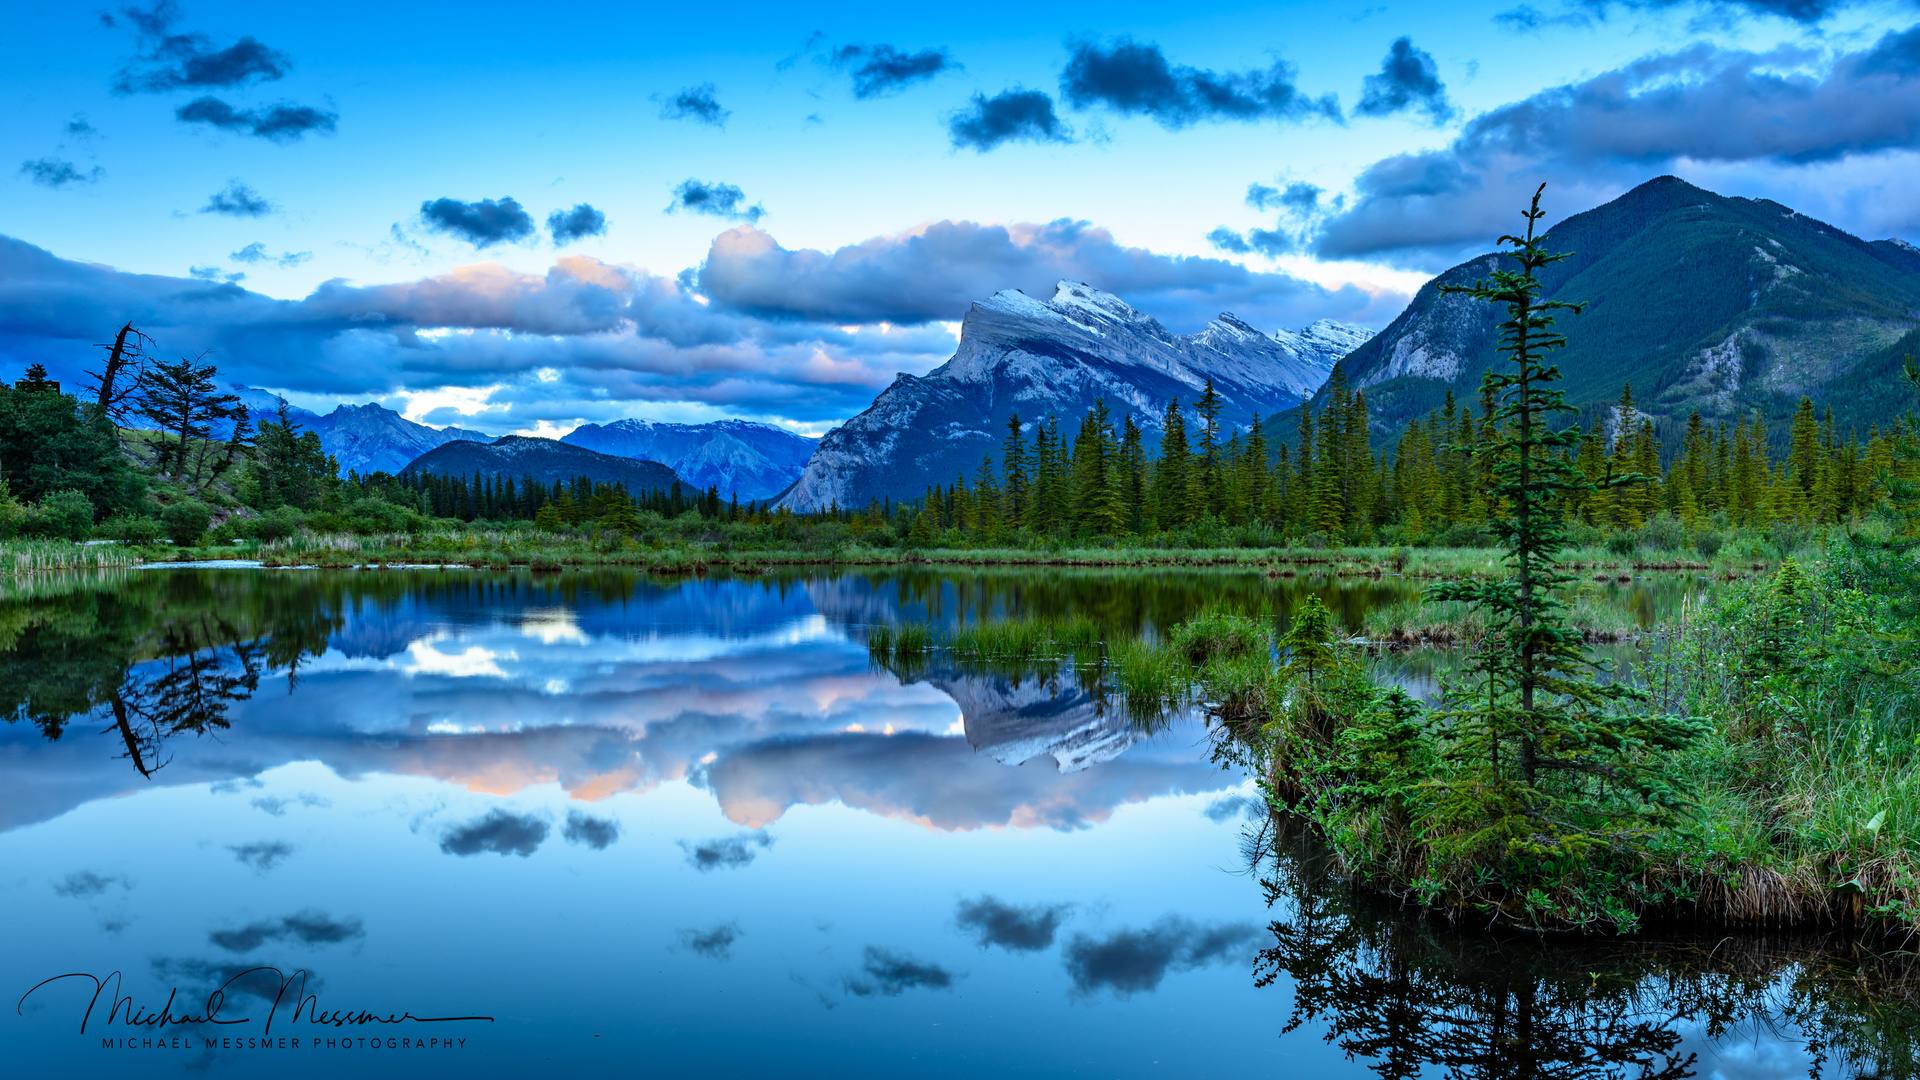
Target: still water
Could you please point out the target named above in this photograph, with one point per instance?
(659, 827)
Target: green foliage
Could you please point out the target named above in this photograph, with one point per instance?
(63, 515)
(1216, 635)
(186, 521)
(290, 467)
(49, 442)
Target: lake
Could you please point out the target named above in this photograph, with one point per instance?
(665, 826)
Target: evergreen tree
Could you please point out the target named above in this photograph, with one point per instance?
(1550, 771)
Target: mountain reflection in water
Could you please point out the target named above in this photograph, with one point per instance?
(1059, 907)
(600, 683)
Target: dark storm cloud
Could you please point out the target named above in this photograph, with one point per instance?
(727, 853)
(597, 833)
(85, 883)
(172, 60)
(695, 103)
(1409, 80)
(482, 224)
(307, 927)
(714, 943)
(237, 200)
(714, 200)
(1595, 138)
(992, 921)
(1137, 80)
(879, 70)
(890, 973)
(283, 123)
(262, 855)
(56, 172)
(499, 831)
(566, 226)
(1016, 115)
(937, 271)
(1130, 961)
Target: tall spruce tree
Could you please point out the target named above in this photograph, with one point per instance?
(1552, 768)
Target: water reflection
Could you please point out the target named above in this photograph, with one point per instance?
(754, 690)
(1413, 997)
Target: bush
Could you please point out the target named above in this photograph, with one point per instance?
(132, 530)
(1707, 544)
(1664, 532)
(66, 515)
(1463, 536)
(1623, 544)
(186, 520)
(276, 524)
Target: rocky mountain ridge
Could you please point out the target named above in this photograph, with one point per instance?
(1056, 357)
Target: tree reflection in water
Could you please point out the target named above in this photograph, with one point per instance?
(1416, 996)
(158, 654)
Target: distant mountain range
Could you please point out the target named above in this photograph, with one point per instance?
(362, 438)
(546, 460)
(756, 461)
(1703, 302)
(1056, 357)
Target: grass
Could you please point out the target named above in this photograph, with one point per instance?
(20, 558)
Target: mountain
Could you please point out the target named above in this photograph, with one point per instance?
(1702, 301)
(363, 438)
(1056, 357)
(546, 460)
(755, 460)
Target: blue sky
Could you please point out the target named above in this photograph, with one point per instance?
(783, 207)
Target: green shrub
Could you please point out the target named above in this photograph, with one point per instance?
(186, 520)
(1664, 532)
(132, 530)
(65, 515)
(276, 524)
(1623, 544)
(1707, 544)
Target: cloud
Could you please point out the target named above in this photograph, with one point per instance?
(597, 833)
(938, 270)
(714, 943)
(1593, 139)
(695, 103)
(890, 973)
(730, 853)
(482, 224)
(1805, 12)
(56, 172)
(266, 983)
(262, 855)
(1016, 929)
(1129, 961)
(566, 226)
(170, 60)
(283, 123)
(1408, 80)
(308, 927)
(499, 831)
(1300, 197)
(1136, 80)
(879, 70)
(1260, 196)
(277, 806)
(714, 200)
(1015, 115)
(85, 883)
(237, 200)
(1228, 240)
(214, 273)
(1227, 807)
(256, 252)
